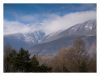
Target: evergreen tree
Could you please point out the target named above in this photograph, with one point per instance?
(44, 68)
(22, 60)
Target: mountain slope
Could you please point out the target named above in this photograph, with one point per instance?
(37, 42)
(23, 40)
(51, 44)
(87, 28)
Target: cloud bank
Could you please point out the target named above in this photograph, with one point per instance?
(49, 25)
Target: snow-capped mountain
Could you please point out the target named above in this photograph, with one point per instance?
(25, 40)
(52, 43)
(87, 28)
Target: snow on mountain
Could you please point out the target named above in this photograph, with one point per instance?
(24, 40)
(52, 43)
(84, 29)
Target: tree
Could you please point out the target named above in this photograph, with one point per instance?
(36, 67)
(9, 61)
(44, 68)
(81, 56)
(22, 60)
(71, 59)
(58, 63)
(34, 63)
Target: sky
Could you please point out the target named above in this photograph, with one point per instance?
(48, 18)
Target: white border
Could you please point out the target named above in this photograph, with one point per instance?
(49, 1)
(1, 36)
(98, 37)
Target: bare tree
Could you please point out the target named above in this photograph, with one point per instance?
(71, 59)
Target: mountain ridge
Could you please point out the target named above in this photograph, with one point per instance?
(53, 42)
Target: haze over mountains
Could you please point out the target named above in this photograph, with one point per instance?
(84, 29)
(39, 42)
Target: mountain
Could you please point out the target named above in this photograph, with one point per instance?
(87, 28)
(38, 42)
(25, 40)
(52, 43)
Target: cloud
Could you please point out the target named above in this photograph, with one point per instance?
(66, 21)
(49, 25)
(14, 27)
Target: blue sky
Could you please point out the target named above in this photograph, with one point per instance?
(35, 15)
(12, 10)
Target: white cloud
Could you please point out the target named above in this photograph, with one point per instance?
(13, 27)
(53, 24)
(68, 20)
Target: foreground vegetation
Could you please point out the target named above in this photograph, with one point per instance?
(73, 59)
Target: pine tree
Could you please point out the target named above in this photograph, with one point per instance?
(22, 60)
